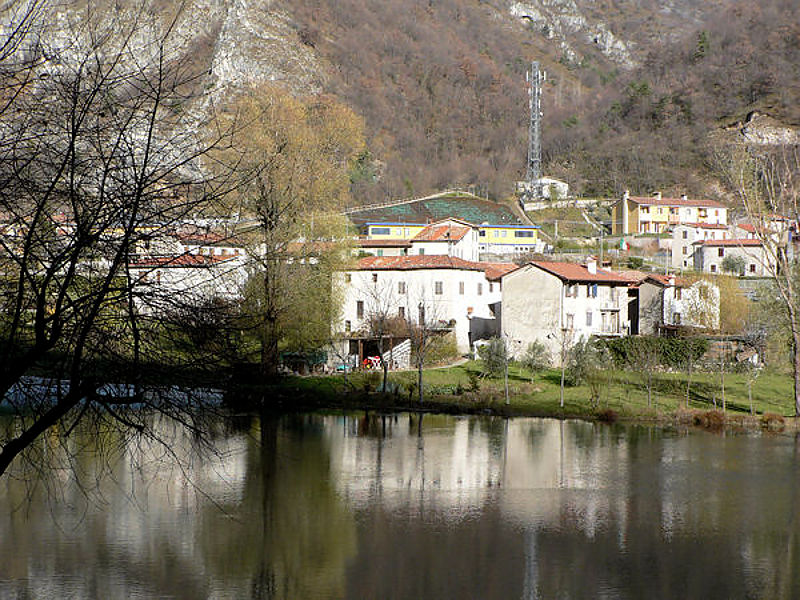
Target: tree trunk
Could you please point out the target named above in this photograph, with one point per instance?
(420, 364)
(796, 365)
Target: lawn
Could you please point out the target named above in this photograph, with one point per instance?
(625, 393)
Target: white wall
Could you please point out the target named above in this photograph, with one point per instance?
(384, 296)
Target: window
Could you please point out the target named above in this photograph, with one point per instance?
(438, 288)
(461, 288)
(401, 287)
(374, 278)
(491, 287)
(421, 251)
(359, 309)
(591, 290)
(678, 293)
(401, 312)
(752, 267)
(721, 252)
(421, 314)
(482, 233)
(503, 233)
(588, 318)
(613, 294)
(713, 268)
(348, 278)
(676, 318)
(380, 251)
(571, 291)
(645, 209)
(347, 326)
(685, 234)
(380, 230)
(685, 250)
(570, 322)
(523, 234)
(480, 289)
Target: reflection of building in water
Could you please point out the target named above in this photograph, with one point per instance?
(452, 467)
(548, 470)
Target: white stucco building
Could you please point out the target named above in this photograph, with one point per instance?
(167, 282)
(709, 256)
(684, 236)
(437, 289)
(558, 303)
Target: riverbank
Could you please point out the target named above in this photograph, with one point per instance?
(714, 400)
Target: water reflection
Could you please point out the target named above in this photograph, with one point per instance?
(408, 506)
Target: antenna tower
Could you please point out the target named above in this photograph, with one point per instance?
(535, 78)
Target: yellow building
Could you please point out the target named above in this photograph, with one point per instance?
(655, 214)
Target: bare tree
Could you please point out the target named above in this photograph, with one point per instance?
(96, 153)
(767, 184)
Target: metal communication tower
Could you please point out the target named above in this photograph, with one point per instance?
(535, 78)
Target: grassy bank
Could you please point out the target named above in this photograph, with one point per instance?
(623, 395)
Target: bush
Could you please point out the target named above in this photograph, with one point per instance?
(536, 358)
(587, 363)
(710, 419)
(773, 422)
(493, 356)
(672, 352)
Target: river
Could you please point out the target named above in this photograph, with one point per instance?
(319, 507)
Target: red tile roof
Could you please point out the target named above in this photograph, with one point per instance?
(639, 277)
(747, 227)
(655, 201)
(704, 225)
(495, 271)
(574, 272)
(407, 263)
(442, 233)
(384, 243)
(740, 242)
(182, 260)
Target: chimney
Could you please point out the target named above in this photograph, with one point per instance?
(671, 281)
(591, 265)
(626, 195)
(684, 197)
(657, 195)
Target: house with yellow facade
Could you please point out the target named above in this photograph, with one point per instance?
(656, 214)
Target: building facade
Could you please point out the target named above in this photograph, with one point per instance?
(559, 303)
(655, 214)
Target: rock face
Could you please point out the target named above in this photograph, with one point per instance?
(237, 43)
(763, 130)
(257, 43)
(565, 22)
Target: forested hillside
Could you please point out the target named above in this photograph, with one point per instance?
(634, 87)
(442, 87)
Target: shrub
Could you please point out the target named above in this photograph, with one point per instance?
(710, 419)
(493, 356)
(536, 358)
(607, 416)
(773, 422)
(587, 363)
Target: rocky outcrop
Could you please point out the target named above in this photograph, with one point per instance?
(564, 22)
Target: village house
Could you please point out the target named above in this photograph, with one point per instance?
(497, 239)
(750, 254)
(445, 290)
(655, 214)
(166, 283)
(685, 235)
(558, 303)
(659, 302)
